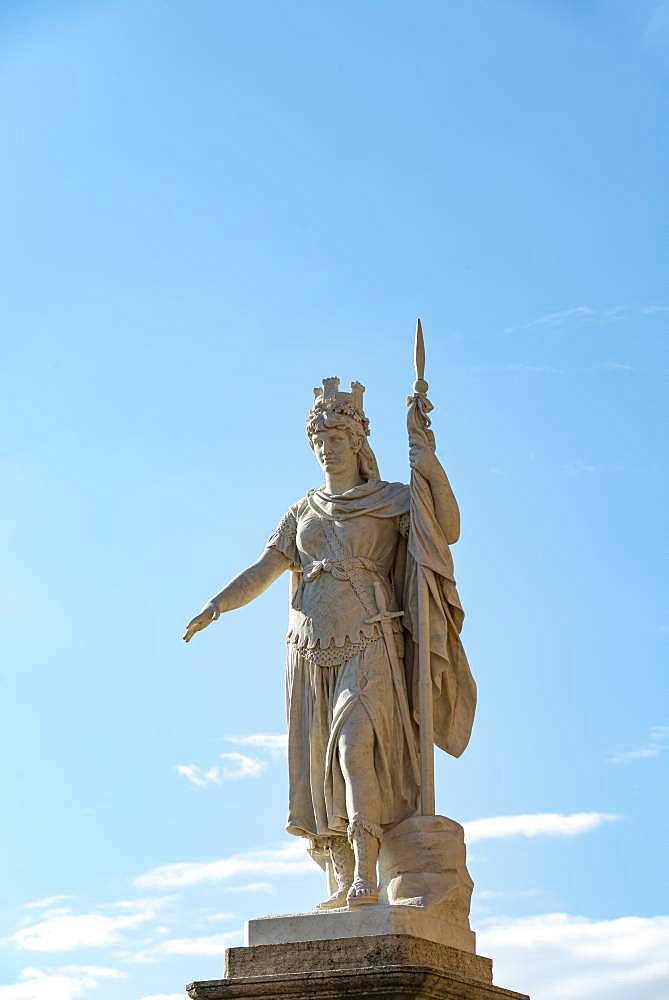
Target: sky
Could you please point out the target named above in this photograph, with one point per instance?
(207, 208)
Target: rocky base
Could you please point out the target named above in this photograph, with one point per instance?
(392, 966)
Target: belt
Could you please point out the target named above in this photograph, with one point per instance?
(340, 569)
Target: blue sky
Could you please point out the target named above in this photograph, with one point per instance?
(207, 208)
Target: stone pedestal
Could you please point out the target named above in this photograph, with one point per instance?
(389, 966)
(417, 943)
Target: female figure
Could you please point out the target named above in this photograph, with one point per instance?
(350, 699)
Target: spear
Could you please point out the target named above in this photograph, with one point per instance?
(418, 423)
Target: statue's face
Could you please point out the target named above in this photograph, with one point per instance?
(336, 450)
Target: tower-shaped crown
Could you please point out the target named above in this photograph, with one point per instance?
(328, 399)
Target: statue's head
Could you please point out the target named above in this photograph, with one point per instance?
(338, 429)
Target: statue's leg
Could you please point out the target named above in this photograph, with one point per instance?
(356, 759)
(363, 803)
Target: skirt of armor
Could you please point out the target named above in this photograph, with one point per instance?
(319, 699)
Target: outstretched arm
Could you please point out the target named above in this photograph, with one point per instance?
(446, 507)
(251, 583)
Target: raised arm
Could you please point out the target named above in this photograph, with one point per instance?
(445, 505)
(251, 583)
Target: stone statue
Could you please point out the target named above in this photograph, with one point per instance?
(376, 671)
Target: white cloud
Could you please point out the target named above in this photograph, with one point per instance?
(290, 859)
(236, 765)
(241, 766)
(213, 944)
(496, 894)
(43, 904)
(67, 983)
(251, 887)
(577, 313)
(210, 944)
(556, 318)
(535, 825)
(656, 744)
(276, 743)
(639, 754)
(557, 956)
(62, 930)
(198, 776)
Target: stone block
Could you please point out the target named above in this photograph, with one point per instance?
(391, 966)
(430, 924)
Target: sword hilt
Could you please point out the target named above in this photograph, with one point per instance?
(383, 614)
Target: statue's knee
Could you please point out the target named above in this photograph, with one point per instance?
(346, 751)
(356, 743)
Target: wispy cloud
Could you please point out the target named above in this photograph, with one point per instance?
(505, 893)
(276, 743)
(557, 956)
(210, 944)
(555, 318)
(290, 859)
(535, 369)
(239, 765)
(656, 744)
(67, 983)
(198, 776)
(585, 313)
(251, 887)
(43, 904)
(235, 765)
(535, 825)
(653, 310)
(213, 944)
(219, 918)
(615, 366)
(62, 930)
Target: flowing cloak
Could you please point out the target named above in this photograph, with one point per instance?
(453, 687)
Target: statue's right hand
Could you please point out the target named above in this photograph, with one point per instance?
(208, 614)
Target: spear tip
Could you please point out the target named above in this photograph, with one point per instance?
(420, 384)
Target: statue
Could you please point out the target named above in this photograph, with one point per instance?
(376, 672)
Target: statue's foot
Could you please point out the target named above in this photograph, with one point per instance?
(362, 893)
(337, 901)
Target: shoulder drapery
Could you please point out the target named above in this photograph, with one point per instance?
(373, 498)
(453, 687)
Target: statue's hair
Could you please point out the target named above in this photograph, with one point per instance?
(327, 420)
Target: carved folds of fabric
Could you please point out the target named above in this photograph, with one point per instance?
(284, 538)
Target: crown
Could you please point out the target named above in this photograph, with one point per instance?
(328, 399)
